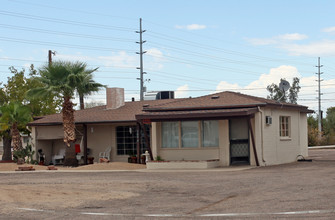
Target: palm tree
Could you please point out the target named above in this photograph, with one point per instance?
(61, 77)
(85, 84)
(14, 116)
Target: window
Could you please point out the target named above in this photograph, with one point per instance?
(126, 140)
(190, 133)
(126, 137)
(170, 134)
(284, 129)
(210, 133)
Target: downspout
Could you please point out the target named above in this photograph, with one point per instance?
(262, 130)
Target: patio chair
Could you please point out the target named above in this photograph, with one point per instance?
(106, 154)
(58, 158)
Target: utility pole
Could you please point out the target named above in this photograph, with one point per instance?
(141, 42)
(50, 56)
(319, 94)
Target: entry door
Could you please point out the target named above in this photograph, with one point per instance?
(239, 141)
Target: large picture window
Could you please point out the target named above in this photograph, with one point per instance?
(170, 134)
(210, 133)
(190, 134)
(284, 126)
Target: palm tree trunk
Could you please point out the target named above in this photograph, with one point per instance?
(17, 143)
(81, 100)
(69, 133)
(7, 148)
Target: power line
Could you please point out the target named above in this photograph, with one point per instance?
(71, 10)
(61, 33)
(211, 48)
(63, 21)
(45, 43)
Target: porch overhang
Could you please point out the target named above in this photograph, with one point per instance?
(197, 114)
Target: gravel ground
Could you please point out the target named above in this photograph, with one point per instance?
(296, 191)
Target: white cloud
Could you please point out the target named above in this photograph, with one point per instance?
(155, 53)
(182, 91)
(295, 36)
(328, 29)
(191, 26)
(322, 48)
(72, 57)
(280, 39)
(120, 60)
(274, 76)
(307, 95)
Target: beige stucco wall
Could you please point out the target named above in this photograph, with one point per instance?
(49, 132)
(277, 150)
(99, 138)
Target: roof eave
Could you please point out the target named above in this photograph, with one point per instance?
(205, 107)
(189, 116)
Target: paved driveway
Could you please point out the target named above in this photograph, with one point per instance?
(299, 190)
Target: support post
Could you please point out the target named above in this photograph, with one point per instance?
(85, 143)
(253, 141)
(147, 141)
(138, 143)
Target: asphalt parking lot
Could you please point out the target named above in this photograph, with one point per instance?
(297, 191)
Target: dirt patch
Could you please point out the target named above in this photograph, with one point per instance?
(95, 166)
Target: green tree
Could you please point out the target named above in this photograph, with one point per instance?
(14, 117)
(277, 94)
(18, 84)
(62, 77)
(85, 83)
(14, 92)
(329, 125)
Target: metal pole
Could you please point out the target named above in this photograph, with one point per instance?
(141, 60)
(319, 95)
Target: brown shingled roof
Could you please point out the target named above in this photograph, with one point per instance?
(218, 100)
(219, 104)
(100, 114)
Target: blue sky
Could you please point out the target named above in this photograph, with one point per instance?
(193, 47)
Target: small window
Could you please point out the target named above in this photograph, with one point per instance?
(126, 138)
(284, 126)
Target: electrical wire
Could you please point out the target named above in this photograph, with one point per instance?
(63, 21)
(61, 33)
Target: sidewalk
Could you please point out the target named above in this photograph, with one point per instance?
(321, 147)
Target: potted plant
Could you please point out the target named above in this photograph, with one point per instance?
(133, 159)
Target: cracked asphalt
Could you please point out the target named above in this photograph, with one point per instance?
(298, 190)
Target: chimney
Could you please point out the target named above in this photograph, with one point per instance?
(114, 98)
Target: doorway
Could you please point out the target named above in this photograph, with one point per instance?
(239, 141)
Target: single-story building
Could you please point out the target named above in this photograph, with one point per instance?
(228, 127)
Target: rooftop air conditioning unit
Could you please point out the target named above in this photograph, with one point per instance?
(268, 120)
